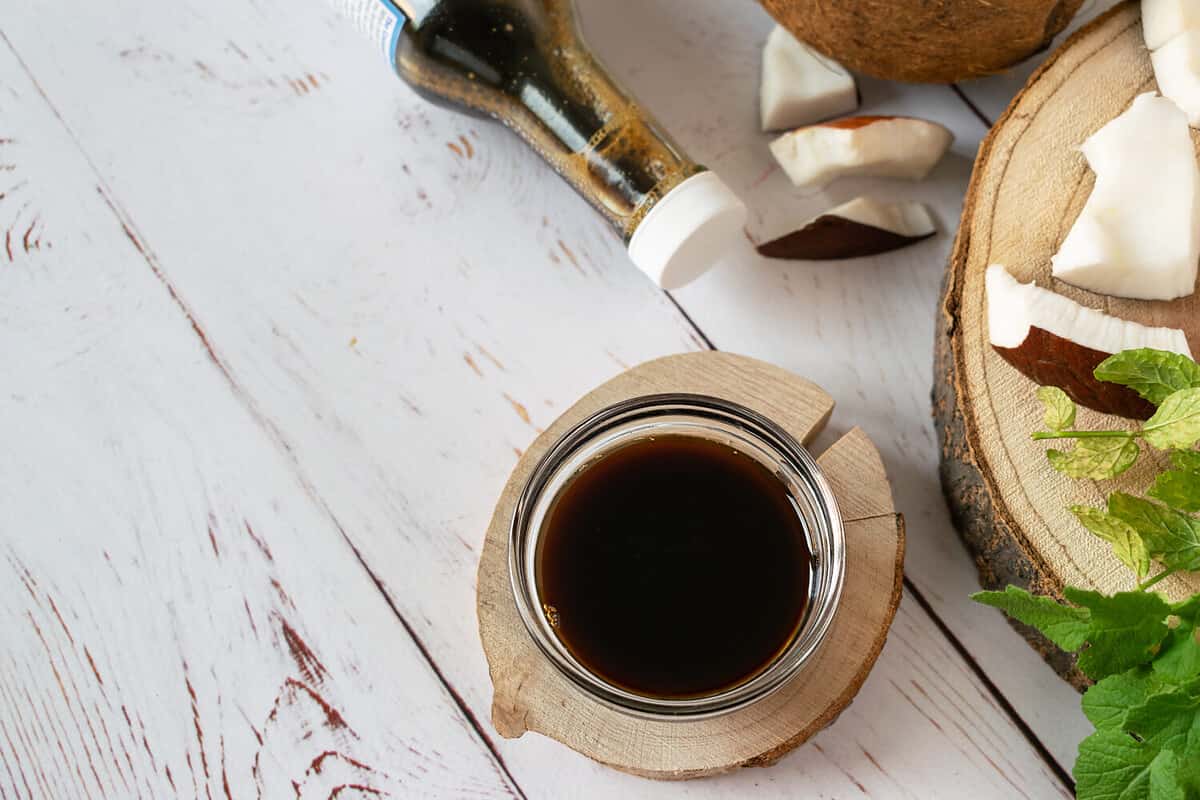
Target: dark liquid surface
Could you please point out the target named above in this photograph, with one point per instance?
(674, 567)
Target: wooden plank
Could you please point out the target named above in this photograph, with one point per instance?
(861, 329)
(401, 317)
(992, 95)
(181, 614)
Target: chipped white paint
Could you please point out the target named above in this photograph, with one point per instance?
(279, 299)
(180, 612)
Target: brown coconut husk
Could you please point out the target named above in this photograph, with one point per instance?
(925, 42)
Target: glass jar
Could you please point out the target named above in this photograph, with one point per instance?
(720, 421)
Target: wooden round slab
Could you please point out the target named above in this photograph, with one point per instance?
(1029, 184)
(530, 694)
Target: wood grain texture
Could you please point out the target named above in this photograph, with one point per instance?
(1028, 188)
(861, 329)
(180, 614)
(399, 317)
(531, 695)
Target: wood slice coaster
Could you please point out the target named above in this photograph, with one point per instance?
(531, 695)
(1029, 185)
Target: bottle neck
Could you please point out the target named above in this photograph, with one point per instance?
(523, 62)
(415, 10)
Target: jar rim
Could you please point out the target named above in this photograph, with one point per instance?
(638, 418)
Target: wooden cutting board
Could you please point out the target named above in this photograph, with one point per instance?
(530, 695)
(1029, 185)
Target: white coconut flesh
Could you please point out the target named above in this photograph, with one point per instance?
(799, 85)
(1171, 29)
(1177, 70)
(907, 219)
(884, 147)
(1163, 20)
(1138, 235)
(1015, 307)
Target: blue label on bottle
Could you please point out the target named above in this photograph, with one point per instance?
(379, 20)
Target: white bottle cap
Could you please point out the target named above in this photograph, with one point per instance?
(688, 230)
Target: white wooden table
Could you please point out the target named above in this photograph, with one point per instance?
(272, 334)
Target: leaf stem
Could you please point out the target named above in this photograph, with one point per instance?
(1085, 434)
(1144, 585)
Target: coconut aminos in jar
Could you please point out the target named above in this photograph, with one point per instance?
(677, 556)
(674, 567)
(524, 63)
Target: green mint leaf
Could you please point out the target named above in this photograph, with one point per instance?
(1112, 766)
(1168, 534)
(1167, 720)
(1154, 374)
(1060, 409)
(1176, 423)
(1152, 756)
(1177, 488)
(1188, 610)
(1123, 630)
(1108, 702)
(1189, 769)
(1164, 777)
(1178, 659)
(1188, 460)
(1126, 542)
(1099, 458)
(1067, 627)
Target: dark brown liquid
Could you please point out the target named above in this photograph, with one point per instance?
(674, 567)
(523, 62)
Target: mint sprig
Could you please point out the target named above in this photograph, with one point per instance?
(1171, 536)
(1143, 652)
(1126, 542)
(1187, 460)
(1106, 703)
(1060, 409)
(1112, 634)
(1153, 374)
(1176, 423)
(1179, 489)
(1168, 380)
(1096, 458)
(1066, 626)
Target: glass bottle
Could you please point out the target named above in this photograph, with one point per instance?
(524, 63)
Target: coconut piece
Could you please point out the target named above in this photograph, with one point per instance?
(1177, 70)
(884, 147)
(930, 42)
(1057, 342)
(1171, 30)
(799, 85)
(1138, 235)
(1163, 20)
(861, 227)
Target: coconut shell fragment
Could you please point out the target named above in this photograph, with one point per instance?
(800, 86)
(1055, 341)
(1050, 360)
(882, 147)
(862, 227)
(1138, 235)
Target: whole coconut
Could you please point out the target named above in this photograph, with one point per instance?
(927, 41)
